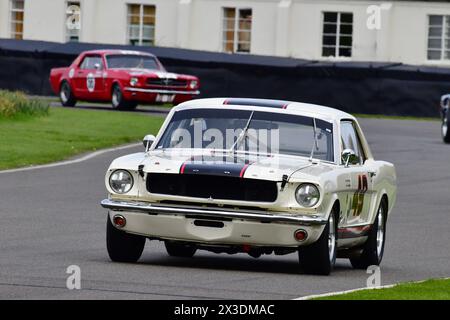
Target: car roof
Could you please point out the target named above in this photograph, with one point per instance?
(117, 51)
(267, 105)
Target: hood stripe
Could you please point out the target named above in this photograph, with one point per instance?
(243, 170)
(182, 167)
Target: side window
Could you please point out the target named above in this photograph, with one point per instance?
(350, 140)
(90, 62)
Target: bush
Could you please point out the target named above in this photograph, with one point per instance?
(17, 103)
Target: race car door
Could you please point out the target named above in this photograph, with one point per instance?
(359, 180)
(88, 79)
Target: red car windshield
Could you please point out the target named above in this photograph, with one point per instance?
(121, 61)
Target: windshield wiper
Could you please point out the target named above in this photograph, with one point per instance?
(243, 134)
(316, 144)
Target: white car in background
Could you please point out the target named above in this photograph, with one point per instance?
(294, 177)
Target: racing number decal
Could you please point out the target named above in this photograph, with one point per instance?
(90, 82)
(358, 197)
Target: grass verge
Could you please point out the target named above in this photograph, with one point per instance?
(15, 104)
(435, 289)
(64, 133)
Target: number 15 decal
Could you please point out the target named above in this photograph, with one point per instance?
(358, 197)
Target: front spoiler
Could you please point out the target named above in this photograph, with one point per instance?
(145, 207)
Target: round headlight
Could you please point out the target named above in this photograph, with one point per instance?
(307, 195)
(121, 181)
(134, 81)
(193, 84)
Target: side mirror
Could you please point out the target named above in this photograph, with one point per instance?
(349, 157)
(97, 66)
(148, 141)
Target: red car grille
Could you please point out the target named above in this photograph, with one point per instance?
(164, 82)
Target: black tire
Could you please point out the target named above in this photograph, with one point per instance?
(319, 258)
(180, 249)
(66, 95)
(118, 101)
(122, 246)
(373, 250)
(445, 127)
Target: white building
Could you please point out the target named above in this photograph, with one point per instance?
(411, 32)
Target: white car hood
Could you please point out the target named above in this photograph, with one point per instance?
(265, 167)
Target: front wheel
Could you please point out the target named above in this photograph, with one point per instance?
(373, 249)
(320, 257)
(66, 95)
(122, 246)
(119, 102)
(445, 127)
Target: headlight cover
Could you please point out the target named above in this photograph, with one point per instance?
(307, 195)
(134, 81)
(121, 181)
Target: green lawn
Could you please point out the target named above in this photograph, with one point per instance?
(436, 289)
(64, 133)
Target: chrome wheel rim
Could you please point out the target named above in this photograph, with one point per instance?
(380, 232)
(115, 98)
(331, 238)
(64, 93)
(444, 128)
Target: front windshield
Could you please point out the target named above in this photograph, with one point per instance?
(129, 61)
(267, 132)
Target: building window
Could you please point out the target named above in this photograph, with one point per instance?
(237, 30)
(439, 37)
(337, 34)
(17, 13)
(141, 24)
(73, 21)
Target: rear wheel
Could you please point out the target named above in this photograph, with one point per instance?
(122, 246)
(119, 102)
(445, 127)
(373, 249)
(320, 257)
(180, 250)
(66, 96)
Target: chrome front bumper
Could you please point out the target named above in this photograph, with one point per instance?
(277, 217)
(162, 91)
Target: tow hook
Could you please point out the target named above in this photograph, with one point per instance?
(141, 170)
(284, 180)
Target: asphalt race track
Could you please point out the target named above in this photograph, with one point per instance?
(51, 218)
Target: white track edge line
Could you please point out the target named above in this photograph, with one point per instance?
(360, 289)
(342, 292)
(77, 160)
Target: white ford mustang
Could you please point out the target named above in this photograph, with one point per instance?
(256, 176)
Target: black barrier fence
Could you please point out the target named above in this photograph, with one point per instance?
(356, 87)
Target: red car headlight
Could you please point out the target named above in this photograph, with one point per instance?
(193, 84)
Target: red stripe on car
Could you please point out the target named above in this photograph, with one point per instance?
(243, 170)
(182, 168)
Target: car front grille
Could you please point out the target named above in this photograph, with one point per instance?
(166, 82)
(210, 186)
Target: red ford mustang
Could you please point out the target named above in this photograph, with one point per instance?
(125, 78)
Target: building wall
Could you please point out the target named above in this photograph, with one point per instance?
(291, 28)
(4, 10)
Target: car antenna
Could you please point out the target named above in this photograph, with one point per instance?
(243, 133)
